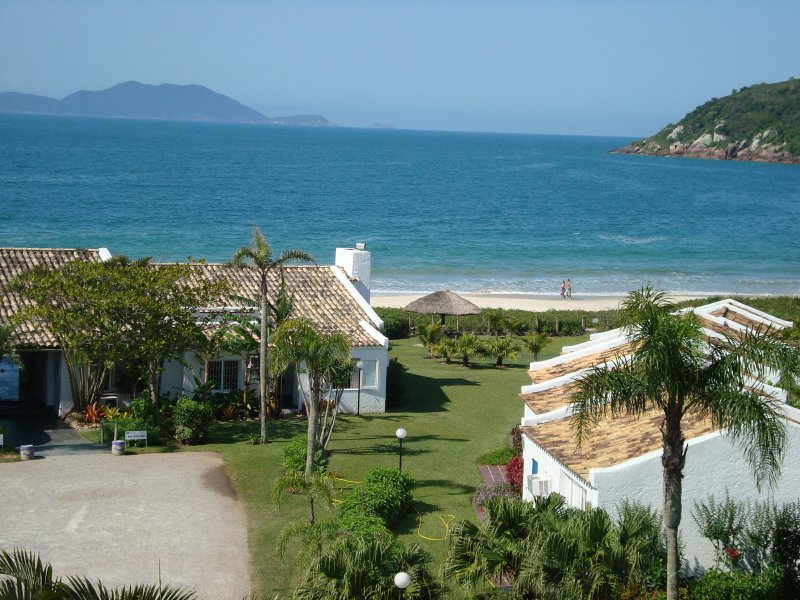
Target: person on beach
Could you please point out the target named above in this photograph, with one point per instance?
(569, 289)
(563, 289)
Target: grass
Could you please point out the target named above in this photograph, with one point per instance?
(452, 415)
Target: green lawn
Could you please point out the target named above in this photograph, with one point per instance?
(452, 415)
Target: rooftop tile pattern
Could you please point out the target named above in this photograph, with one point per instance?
(580, 362)
(13, 262)
(317, 295)
(612, 442)
(551, 399)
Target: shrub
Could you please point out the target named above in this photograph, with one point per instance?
(362, 524)
(395, 383)
(499, 456)
(191, 420)
(294, 456)
(488, 492)
(385, 493)
(716, 585)
(127, 423)
(514, 474)
(395, 322)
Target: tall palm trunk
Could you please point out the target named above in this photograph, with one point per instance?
(673, 461)
(263, 381)
(313, 423)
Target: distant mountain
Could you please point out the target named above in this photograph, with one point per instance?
(758, 123)
(142, 101)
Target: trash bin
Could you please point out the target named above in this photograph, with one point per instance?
(26, 452)
(118, 448)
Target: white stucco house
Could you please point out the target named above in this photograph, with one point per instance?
(622, 457)
(332, 297)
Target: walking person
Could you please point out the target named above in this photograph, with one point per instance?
(569, 289)
(563, 289)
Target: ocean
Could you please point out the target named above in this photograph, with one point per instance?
(472, 212)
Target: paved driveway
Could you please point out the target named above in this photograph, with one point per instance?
(118, 518)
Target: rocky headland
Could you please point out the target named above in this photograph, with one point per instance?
(757, 123)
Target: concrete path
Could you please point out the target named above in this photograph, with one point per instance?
(121, 518)
(49, 436)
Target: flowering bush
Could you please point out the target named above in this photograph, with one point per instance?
(498, 490)
(514, 474)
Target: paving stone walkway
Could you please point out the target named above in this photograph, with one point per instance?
(492, 475)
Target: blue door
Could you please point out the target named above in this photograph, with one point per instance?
(9, 380)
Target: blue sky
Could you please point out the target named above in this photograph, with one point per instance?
(594, 67)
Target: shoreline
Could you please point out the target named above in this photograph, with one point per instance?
(531, 302)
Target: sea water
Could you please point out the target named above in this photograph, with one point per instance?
(473, 212)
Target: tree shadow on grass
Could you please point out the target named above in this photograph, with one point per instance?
(389, 445)
(234, 432)
(425, 394)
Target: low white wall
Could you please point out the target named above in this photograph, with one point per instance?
(713, 465)
(562, 481)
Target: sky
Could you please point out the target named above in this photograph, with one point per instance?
(582, 67)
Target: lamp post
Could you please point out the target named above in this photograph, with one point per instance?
(401, 434)
(359, 367)
(402, 580)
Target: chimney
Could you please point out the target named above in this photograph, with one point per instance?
(357, 263)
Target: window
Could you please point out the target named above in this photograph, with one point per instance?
(224, 374)
(369, 375)
(535, 467)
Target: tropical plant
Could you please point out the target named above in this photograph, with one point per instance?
(258, 257)
(364, 567)
(7, 341)
(500, 348)
(468, 345)
(116, 312)
(535, 343)
(319, 360)
(512, 325)
(446, 347)
(191, 420)
(493, 319)
(674, 369)
(317, 487)
(429, 334)
(515, 473)
(23, 576)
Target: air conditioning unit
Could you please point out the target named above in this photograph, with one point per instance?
(539, 485)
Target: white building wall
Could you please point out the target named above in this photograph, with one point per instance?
(561, 481)
(713, 465)
(64, 392)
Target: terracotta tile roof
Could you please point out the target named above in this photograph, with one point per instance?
(550, 399)
(13, 262)
(546, 373)
(317, 294)
(612, 442)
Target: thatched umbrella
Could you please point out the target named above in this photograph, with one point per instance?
(443, 302)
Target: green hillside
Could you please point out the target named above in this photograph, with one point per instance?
(740, 117)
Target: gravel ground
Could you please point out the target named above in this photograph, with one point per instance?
(120, 518)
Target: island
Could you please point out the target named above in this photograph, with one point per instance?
(756, 123)
(167, 101)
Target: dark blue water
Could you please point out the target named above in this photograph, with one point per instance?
(468, 211)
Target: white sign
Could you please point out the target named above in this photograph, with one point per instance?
(1, 440)
(132, 436)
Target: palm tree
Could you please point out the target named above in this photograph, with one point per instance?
(500, 348)
(26, 577)
(364, 567)
(446, 347)
(258, 257)
(535, 343)
(321, 357)
(512, 325)
(468, 345)
(430, 335)
(675, 369)
(319, 486)
(495, 549)
(493, 317)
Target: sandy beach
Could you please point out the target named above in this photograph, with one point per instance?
(519, 301)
